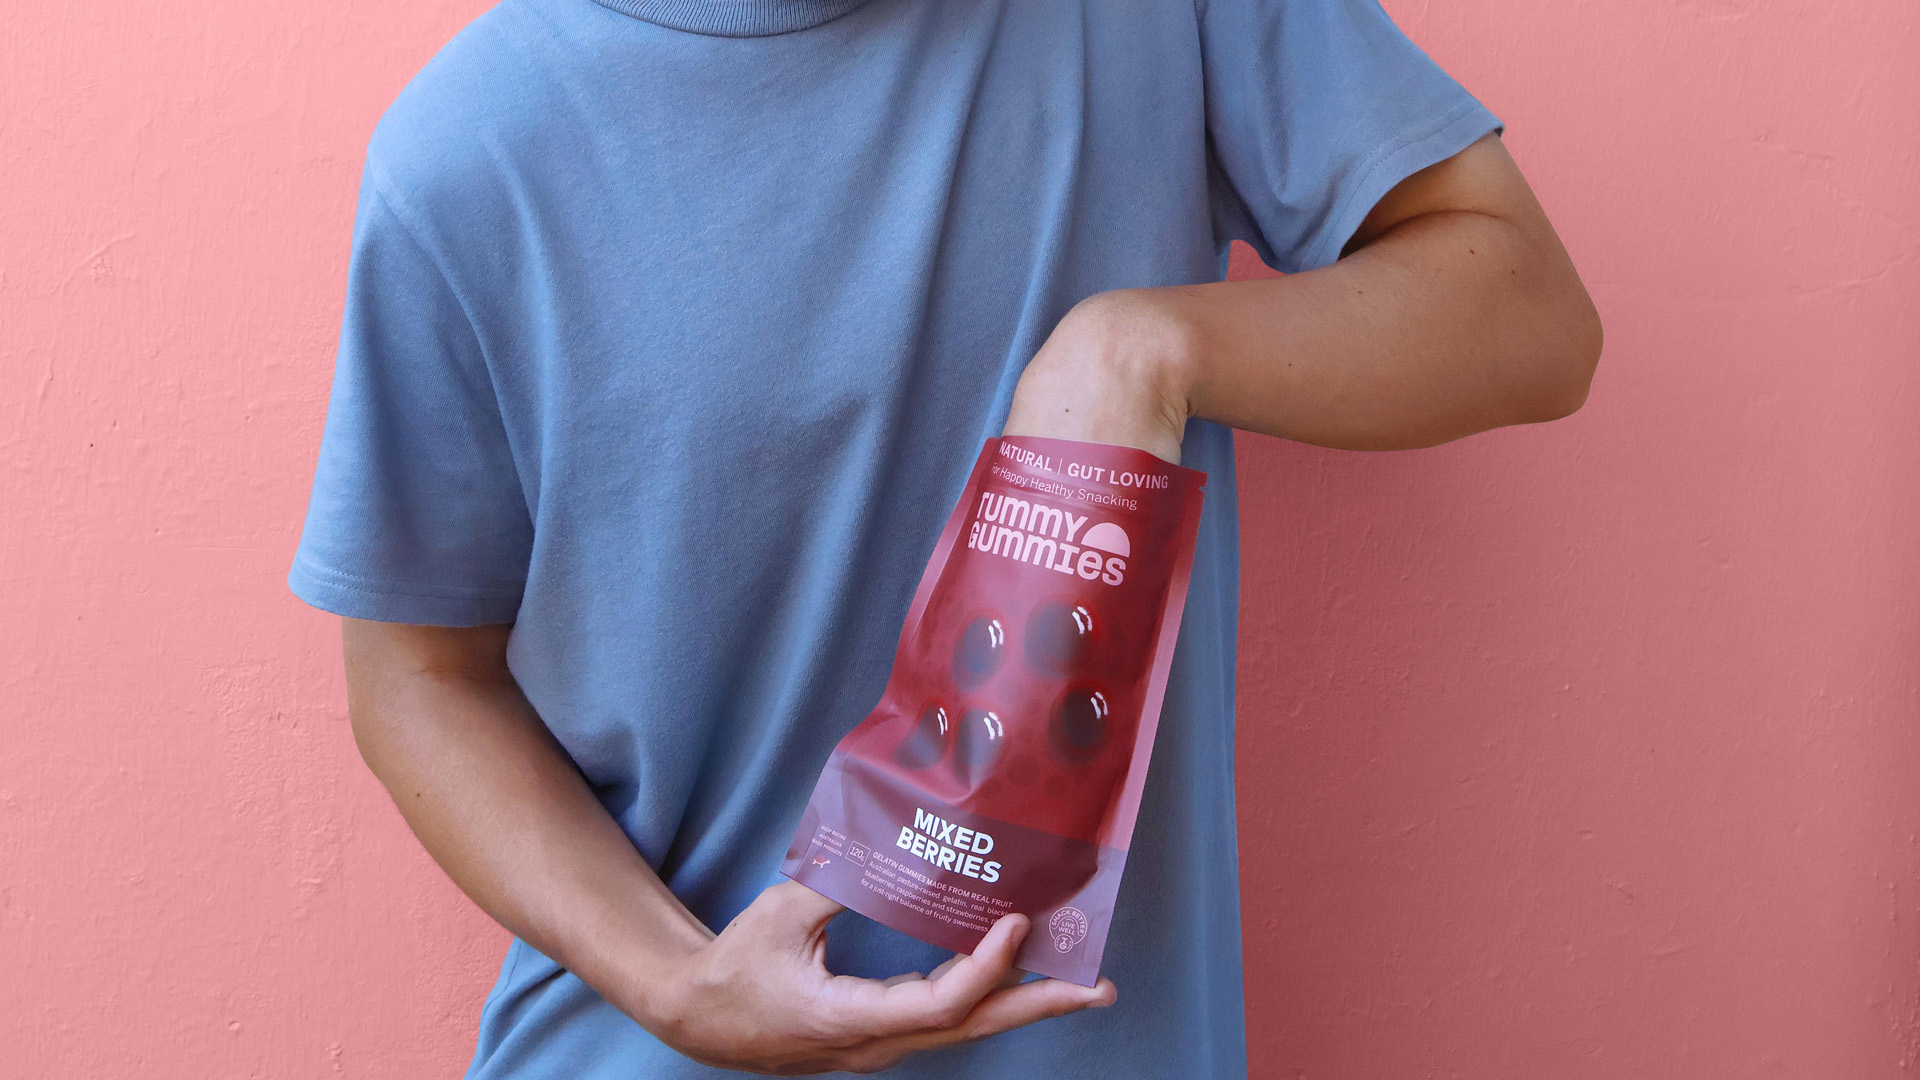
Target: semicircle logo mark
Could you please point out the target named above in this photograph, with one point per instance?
(1109, 538)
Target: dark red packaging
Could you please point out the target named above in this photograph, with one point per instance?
(1001, 770)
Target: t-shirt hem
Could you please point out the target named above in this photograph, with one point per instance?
(379, 601)
(1389, 164)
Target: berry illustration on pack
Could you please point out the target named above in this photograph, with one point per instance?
(1001, 770)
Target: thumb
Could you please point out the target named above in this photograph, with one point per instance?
(790, 911)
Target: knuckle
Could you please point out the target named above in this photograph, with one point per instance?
(844, 1040)
(832, 1035)
(819, 1025)
(952, 1014)
(988, 1027)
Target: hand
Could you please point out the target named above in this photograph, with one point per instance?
(1115, 370)
(759, 997)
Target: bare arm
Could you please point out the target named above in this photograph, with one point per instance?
(1456, 310)
(500, 806)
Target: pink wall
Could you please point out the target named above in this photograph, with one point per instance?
(1584, 751)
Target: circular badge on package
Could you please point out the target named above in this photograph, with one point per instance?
(1068, 928)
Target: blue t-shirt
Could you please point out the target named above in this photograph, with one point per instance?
(672, 330)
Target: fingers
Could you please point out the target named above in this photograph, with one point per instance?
(947, 965)
(1001, 1011)
(868, 1007)
(1012, 977)
(1020, 1005)
(971, 978)
(1031, 1002)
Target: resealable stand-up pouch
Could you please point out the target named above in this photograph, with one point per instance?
(1002, 769)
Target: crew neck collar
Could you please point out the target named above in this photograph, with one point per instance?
(734, 18)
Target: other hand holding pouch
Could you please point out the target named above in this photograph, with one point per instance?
(1002, 769)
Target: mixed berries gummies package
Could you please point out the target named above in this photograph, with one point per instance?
(1002, 769)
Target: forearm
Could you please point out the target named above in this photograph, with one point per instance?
(500, 806)
(502, 809)
(1450, 324)
(1457, 311)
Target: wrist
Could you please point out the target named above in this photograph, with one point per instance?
(649, 988)
(1118, 369)
(641, 969)
(1145, 339)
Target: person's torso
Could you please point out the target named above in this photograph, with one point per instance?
(751, 305)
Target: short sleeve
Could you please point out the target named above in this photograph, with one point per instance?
(417, 513)
(1315, 110)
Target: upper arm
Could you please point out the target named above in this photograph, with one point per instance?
(1482, 179)
(382, 657)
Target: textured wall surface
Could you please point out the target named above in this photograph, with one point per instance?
(1584, 751)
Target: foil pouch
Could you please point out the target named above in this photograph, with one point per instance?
(1001, 770)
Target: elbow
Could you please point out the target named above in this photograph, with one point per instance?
(1568, 354)
(370, 723)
